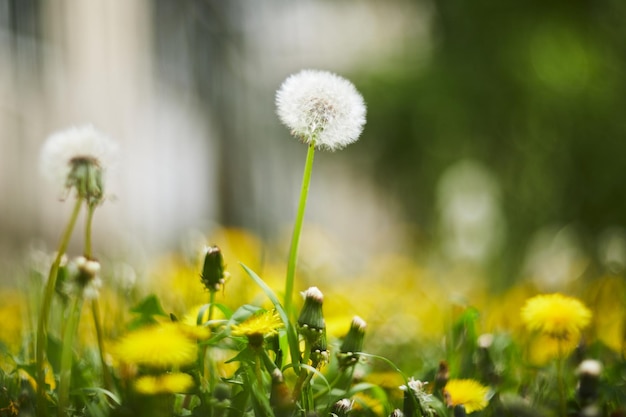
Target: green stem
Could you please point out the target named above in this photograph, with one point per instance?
(297, 228)
(207, 364)
(95, 305)
(95, 311)
(91, 208)
(211, 304)
(560, 380)
(302, 378)
(42, 325)
(67, 354)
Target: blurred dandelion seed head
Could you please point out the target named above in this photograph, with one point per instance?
(556, 315)
(468, 393)
(67, 156)
(321, 108)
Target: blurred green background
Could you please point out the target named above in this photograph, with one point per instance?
(535, 92)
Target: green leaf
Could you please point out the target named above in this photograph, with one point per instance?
(292, 336)
(147, 309)
(246, 355)
(149, 306)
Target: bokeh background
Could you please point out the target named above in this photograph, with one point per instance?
(495, 140)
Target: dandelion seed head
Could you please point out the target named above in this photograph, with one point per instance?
(321, 107)
(77, 144)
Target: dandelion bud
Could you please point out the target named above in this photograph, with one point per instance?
(85, 277)
(396, 413)
(319, 351)
(222, 392)
(213, 275)
(459, 411)
(588, 380)
(77, 159)
(280, 397)
(353, 342)
(311, 321)
(413, 396)
(486, 367)
(441, 377)
(341, 408)
(321, 108)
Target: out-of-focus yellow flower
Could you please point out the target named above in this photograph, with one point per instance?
(266, 323)
(11, 313)
(606, 297)
(556, 315)
(158, 346)
(49, 377)
(543, 348)
(176, 382)
(466, 392)
(497, 315)
(388, 380)
(365, 402)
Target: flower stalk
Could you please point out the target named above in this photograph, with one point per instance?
(44, 315)
(297, 228)
(67, 353)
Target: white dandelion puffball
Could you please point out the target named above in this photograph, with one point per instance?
(61, 149)
(321, 108)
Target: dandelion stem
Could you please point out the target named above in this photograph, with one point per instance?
(91, 208)
(297, 228)
(302, 378)
(42, 325)
(207, 364)
(95, 306)
(560, 379)
(67, 351)
(95, 311)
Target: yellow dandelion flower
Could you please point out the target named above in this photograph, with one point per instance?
(176, 382)
(159, 346)
(543, 348)
(366, 403)
(556, 315)
(49, 377)
(466, 392)
(266, 323)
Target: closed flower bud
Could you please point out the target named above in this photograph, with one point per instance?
(280, 398)
(84, 277)
(588, 372)
(353, 342)
(319, 351)
(396, 413)
(342, 407)
(311, 320)
(213, 275)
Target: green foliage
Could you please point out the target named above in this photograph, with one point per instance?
(146, 311)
